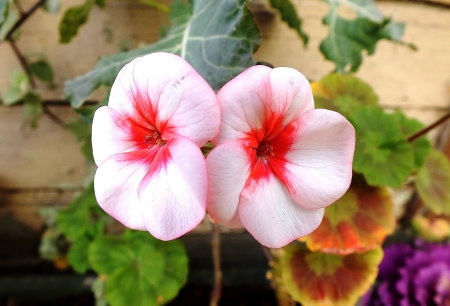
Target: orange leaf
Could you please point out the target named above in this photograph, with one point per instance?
(357, 222)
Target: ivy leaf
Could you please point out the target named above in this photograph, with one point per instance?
(382, 153)
(140, 269)
(364, 8)
(216, 37)
(433, 182)
(289, 15)
(421, 146)
(42, 70)
(357, 222)
(19, 87)
(348, 38)
(74, 18)
(32, 108)
(52, 6)
(4, 8)
(314, 278)
(83, 133)
(8, 18)
(343, 93)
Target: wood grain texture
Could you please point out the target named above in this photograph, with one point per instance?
(417, 82)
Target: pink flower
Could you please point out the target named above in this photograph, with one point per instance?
(151, 172)
(278, 161)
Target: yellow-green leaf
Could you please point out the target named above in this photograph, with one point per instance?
(433, 182)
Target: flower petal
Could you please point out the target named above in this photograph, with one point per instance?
(317, 168)
(112, 133)
(242, 104)
(268, 212)
(228, 168)
(260, 101)
(291, 89)
(161, 91)
(173, 193)
(116, 183)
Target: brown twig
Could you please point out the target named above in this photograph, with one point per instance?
(19, 7)
(23, 62)
(24, 18)
(429, 128)
(53, 117)
(440, 4)
(215, 243)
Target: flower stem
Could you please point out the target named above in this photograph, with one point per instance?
(429, 128)
(215, 244)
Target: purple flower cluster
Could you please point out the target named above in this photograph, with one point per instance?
(412, 275)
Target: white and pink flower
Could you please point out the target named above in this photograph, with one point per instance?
(151, 172)
(278, 161)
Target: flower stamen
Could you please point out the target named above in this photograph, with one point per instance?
(154, 139)
(264, 150)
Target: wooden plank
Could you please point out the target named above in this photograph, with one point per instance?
(416, 82)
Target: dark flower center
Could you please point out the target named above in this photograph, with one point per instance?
(264, 150)
(154, 139)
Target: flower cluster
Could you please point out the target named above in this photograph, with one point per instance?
(418, 275)
(276, 164)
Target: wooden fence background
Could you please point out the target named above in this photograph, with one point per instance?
(44, 167)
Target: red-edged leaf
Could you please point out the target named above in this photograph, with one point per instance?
(314, 278)
(357, 222)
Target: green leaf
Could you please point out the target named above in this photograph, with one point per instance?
(433, 182)
(348, 38)
(127, 286)
(218, 50)
(42, 70)
(83, 132)
(73, 19)
(382, 153)
(100, 3)
(52, 6)
(108, 253)
(343, 93)
(4, 8)
(155, 4)
(32, 108)
(87, 112)
(141, 270)
(81, 216)
(421, 146)
(9, 18)
(364, 8)
(18, 89)
(78, 254)
(289, 15)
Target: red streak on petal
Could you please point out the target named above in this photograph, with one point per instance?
(159, 162)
